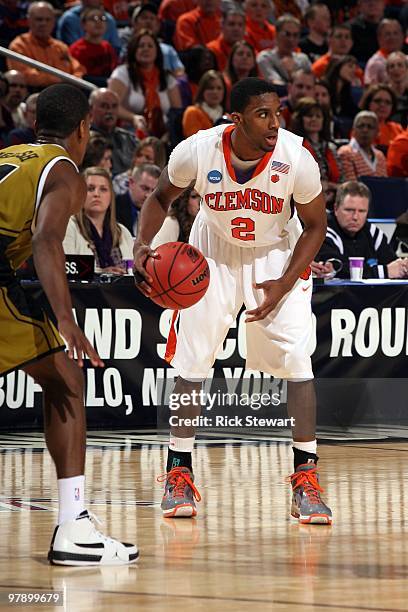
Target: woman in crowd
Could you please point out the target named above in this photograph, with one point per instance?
(397, 75)
(322, 96)
(241, 64)
(98, 153)
(322, 93)
(94, 230)
(146, 92)
(312, 121)
(209, 104)
(382, 101)
(197, 61)
(150, 150)
(340, 77)
(177, 225)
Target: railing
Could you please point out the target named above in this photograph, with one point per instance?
(69, 78)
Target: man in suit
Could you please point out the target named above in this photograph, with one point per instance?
(142, 182)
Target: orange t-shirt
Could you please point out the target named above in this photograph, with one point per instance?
(52, 52)
(388, 131)
(196, 28)
(195, 119)
(260, 36)
(397, 156)
(221, 50)
(172, 9)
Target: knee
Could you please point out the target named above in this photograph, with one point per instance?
(59, 383)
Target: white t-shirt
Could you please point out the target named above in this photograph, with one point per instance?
(257, 212)
(135, 100)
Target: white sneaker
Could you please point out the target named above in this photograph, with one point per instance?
(78, 542)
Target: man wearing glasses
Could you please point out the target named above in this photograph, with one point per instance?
(276, 65)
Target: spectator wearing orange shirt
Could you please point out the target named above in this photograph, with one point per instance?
(260, 33)
(397, 156)
(232, 30)
(209, 104)
(38, 44)
(199, 26)
(383, 102)
(171, 10)
(340, 42)
(390, 38)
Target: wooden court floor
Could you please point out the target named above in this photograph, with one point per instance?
(242, 552)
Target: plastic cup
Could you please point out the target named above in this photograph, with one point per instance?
(356, 267)
(128, 265)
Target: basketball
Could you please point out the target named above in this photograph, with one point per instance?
(180, 275)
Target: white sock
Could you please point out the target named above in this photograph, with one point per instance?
(306, 447)
(71, 498)
(181, 445)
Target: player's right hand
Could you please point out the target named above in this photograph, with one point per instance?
(143, 280)
(78, 343)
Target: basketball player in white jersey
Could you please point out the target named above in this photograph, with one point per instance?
(256, 180)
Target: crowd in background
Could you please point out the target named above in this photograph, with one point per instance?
(164, 70)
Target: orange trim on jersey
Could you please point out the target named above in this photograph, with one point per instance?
(226, 148)
(172, 339)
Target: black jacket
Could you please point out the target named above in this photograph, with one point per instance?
(370, 242)
(126, 212)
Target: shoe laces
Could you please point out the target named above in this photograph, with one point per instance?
(179, 479)
(308, 480)
(103, 537)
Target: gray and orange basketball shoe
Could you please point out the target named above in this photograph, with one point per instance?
(180, 493)
(307, 505)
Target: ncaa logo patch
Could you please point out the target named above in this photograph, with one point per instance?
(214, 176)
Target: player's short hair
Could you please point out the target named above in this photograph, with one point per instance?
(353, 188)
(60, 110)
(245, 89)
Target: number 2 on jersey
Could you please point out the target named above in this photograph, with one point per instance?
(243, 228)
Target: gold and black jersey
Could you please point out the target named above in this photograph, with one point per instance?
(26, 332)
(23, 172)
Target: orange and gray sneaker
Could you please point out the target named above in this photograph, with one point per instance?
(307, 505)
(180, 493)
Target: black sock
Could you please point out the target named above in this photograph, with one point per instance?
(300, 457)
(178, 459)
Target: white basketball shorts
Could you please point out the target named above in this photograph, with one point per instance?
(278, 345)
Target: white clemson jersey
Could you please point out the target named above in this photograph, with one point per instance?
(260, 211)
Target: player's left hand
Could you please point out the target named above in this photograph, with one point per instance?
(274, 290)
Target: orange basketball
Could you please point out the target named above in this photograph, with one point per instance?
(180, 275)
